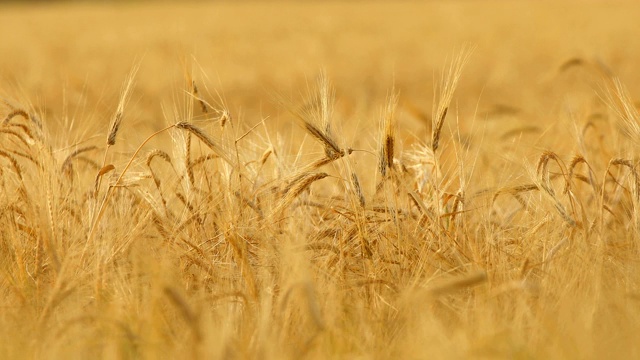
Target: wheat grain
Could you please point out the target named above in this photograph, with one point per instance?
(297, 186)
(188, 314)
(13, 162)
(203, 105)
(14, 113)
(358, 189)
(207, 140)
(388, 135)
(67, 164)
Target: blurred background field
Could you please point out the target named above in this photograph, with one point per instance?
(74, 56)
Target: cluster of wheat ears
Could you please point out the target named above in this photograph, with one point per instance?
(222, 245)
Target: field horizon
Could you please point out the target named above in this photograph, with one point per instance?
(320, 180)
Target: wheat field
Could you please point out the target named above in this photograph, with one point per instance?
(319, 180)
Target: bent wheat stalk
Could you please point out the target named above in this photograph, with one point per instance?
(103, 205)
